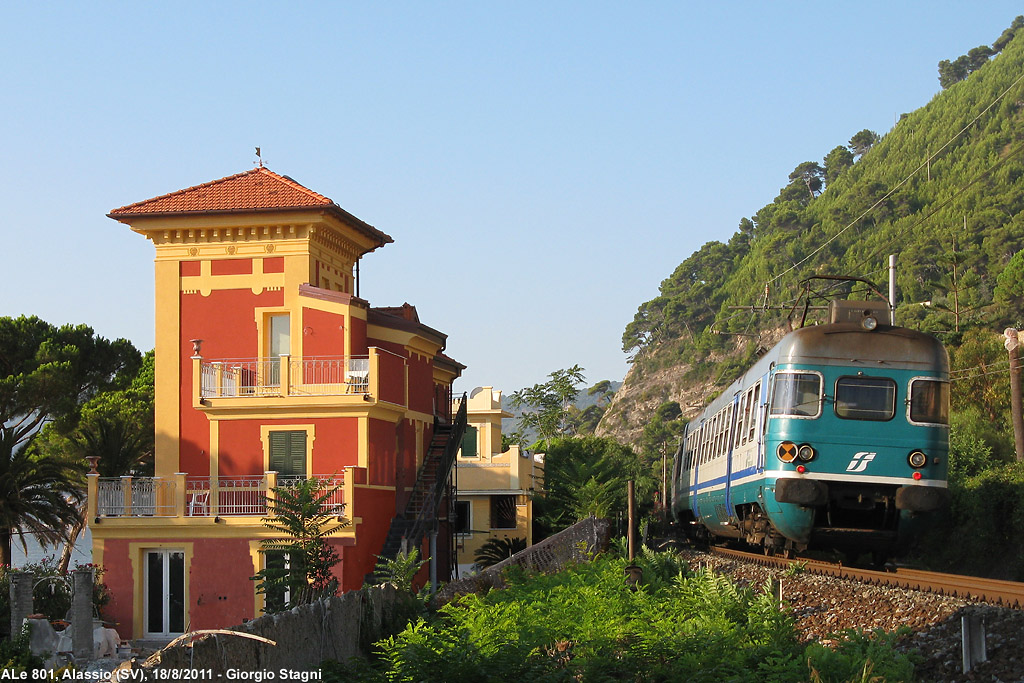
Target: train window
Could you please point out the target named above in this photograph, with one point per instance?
(754, 411)
(929, 401)
(740, 417)
(797, 394)
(865, 398)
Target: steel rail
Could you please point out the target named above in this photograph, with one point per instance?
(1004, 593)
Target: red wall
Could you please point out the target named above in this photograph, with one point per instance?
(336, 444)
(220, 590)
(360, 559)
(323, 333)
(225, 322)
(237, 266)
(381, 453)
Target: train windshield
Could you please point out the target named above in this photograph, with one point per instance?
(865, 398)
(929, 401)
(796, 394)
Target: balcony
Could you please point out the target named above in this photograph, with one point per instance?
(378, 377)
(285, 376)
(185, 496)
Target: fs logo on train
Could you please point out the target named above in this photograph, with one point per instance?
(860, 461)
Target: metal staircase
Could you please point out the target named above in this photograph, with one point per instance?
(409, 528)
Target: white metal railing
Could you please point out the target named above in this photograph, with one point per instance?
(318, 376)
(231, 497)
(335, 503)
(135, 497)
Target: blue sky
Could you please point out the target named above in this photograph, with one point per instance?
(542, 166)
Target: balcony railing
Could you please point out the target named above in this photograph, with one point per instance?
(135, 497)
(284, 376)
(204, 496)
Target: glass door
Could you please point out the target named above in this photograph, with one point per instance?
(164, 592)
(279, 344)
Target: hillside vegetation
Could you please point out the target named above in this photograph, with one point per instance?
(943, 190)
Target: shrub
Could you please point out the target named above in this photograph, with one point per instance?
(585, 624)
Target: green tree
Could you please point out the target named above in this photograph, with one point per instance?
(862, 141)
(836, 163)
(46, 374)
(1007, 35)
(586, 476)
(546, 406)
(299, 563)
(603, 390)
(811, 175)
(659, 440)
(978, 57)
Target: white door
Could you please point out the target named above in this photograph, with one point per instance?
(164, 592)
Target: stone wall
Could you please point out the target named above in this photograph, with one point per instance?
(578, 543)
(342, 627)
(336, 628)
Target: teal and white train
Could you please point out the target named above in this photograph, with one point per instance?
(837, 437)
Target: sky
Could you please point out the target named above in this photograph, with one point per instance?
(542, 166)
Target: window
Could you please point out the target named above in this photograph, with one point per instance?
(752, 423)
(288, 453)
(469, 443)
(503, 512)
(741, 419)
(461, 512)
(797, 394)
(865, 398)
(929, 401)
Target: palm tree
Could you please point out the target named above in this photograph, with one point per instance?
(497, 549)
(37, 495)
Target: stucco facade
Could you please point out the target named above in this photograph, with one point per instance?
(495, 487)
(270, 367)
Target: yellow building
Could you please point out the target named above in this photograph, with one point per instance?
(495, 488)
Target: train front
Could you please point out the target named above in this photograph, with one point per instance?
(857, 440)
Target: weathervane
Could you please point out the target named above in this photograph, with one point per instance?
(259, 159)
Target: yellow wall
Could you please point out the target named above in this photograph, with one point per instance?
(494, 472)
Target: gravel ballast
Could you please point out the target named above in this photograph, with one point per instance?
(823, 606)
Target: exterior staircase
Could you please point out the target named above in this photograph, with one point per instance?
(409, 528)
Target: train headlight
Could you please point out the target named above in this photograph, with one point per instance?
(869, 323)
(805, 453)
(917, 459)
(787, 451)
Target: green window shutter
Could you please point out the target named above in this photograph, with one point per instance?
(469, 443)
(288, 453)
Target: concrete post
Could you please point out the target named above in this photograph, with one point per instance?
(21, 599)
(81, 615)
(1012, 343)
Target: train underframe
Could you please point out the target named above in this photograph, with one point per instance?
(850, 518)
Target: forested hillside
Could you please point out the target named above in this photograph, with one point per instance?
(943, 190)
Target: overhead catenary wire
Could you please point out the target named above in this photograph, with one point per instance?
(923, 165)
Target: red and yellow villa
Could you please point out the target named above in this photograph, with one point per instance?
(270, 368)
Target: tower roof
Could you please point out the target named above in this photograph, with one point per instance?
(257, 190)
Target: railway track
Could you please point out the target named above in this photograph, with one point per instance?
(1004, 593)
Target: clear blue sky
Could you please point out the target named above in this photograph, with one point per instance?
(542, 166)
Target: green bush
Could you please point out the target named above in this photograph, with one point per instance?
(585, 624)
(15, 655)
(986, 511)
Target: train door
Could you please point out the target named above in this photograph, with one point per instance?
(762, 416)
(730, 438)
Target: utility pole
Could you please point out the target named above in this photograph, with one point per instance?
(892, 289)
(1011, 344)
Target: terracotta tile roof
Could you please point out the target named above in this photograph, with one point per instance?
(257, 190)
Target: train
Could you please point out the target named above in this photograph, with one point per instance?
(836, 438)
